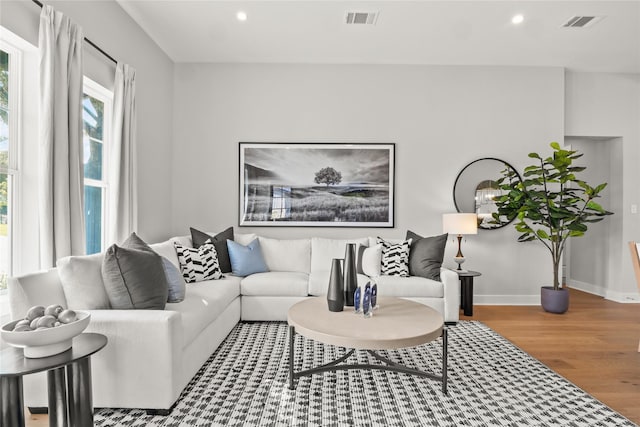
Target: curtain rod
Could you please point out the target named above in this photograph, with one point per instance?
(87, 40)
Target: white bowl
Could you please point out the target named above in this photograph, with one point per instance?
(46, 342)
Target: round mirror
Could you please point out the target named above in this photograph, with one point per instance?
(476, 188)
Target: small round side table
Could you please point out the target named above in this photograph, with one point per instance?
(68, 382)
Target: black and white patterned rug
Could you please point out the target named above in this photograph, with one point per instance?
(491, 383)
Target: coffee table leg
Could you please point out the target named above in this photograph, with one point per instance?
(57, 391)
(80, 393)
(445, 344)
(12, 402)
(292, 332)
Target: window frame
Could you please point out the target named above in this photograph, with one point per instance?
(14, 107)
(104, 95)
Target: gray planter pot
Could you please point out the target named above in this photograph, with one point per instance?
(554, 301)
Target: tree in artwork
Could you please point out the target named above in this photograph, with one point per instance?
(328, 176)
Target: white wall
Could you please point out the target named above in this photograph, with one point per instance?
(107, 25)
(440, 118)
(608, 105)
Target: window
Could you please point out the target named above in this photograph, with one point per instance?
(9, 107)
(96, 117)
(281, 203)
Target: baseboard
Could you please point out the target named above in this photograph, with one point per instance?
(587, 287)
(506, 299)
(623, 297)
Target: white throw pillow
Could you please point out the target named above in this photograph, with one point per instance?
(81, 278)
(372, 260)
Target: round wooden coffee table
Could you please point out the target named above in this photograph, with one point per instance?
(398, 323)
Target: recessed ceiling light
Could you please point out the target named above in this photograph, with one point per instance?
(517, 19)
(242, 16)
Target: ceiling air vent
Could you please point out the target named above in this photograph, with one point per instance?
(581, 21)
(368, 18)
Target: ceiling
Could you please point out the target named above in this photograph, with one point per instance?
(406, 32)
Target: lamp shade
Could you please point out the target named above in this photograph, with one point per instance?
(460, 223)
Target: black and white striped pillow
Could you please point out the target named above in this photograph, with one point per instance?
(395, 258)
(198, 264)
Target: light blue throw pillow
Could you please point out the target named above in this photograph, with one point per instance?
(246, 260)
(177, 287)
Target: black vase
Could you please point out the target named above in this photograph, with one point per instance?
(350, 274)
(335, 293)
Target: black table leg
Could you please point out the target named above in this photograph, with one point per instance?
(58, 415)
(445, 345)
(12, 401)
(292, 332)
(467, 295)
(80, 393)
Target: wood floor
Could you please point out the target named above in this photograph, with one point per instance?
(594, 345)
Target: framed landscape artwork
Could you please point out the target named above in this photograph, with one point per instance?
(317, 184)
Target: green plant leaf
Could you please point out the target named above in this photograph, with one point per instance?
(600, 187)
(555, 145)
(595, 207)
(577, 226)
(542, 234)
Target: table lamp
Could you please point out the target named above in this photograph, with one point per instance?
(460, 223)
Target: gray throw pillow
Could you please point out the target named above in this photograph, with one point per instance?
(199, 238)
(134, 276)
(177, 286)
(426, 255)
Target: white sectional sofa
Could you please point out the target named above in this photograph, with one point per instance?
(152, 354)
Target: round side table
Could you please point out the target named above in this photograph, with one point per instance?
(69, 371)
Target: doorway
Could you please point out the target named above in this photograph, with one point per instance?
(590, 261)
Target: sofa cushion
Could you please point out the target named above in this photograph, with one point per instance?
(413, 286)
(395, 257)
(369, 260)
(287, 255)
(244, 239)
(324, 250)
(246, 260)
(426, 255)
(198, 264)
(276, 283)
(204, 303)
(167, 250)
(175, 282)
(134, 276)
(319, 282)
(81, 279)
(219, 240)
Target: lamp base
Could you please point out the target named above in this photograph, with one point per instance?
(459, 260)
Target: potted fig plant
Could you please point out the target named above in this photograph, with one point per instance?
(550, 204)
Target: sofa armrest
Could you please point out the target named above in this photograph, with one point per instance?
(451, 282)
(142, 355)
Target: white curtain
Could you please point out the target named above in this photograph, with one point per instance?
(123, 197)
(61, 190)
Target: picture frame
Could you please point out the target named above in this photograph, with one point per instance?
(304, 184)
